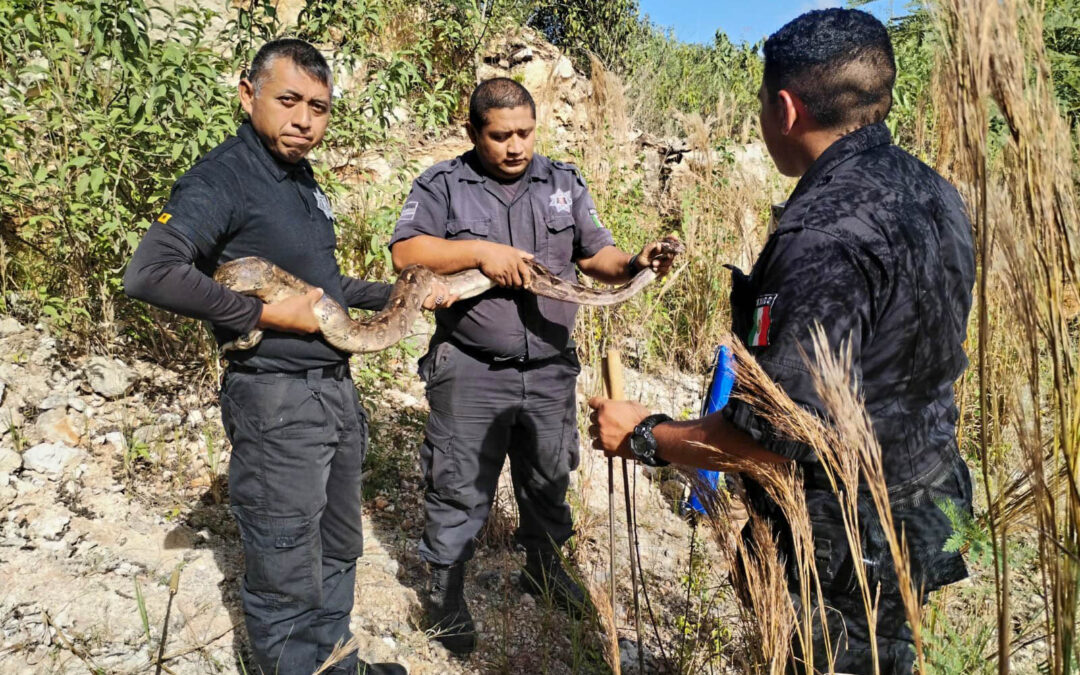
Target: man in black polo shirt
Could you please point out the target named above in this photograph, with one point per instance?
(501, 369)
(876, 247)
(288, 405)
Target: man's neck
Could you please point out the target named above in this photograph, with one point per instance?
(814, 144)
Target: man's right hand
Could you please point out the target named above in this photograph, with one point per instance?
(505, 265)
(295, 314)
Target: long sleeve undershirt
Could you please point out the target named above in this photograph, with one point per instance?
(162, 273)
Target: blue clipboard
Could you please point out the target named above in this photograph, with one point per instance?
(723, 380)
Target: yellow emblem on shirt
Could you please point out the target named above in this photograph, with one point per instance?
(164, 218)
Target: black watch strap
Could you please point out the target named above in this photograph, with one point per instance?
(642, 442)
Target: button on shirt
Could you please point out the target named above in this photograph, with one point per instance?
(239, 200)
(877, 248)
(551, 215)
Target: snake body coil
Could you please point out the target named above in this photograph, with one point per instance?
(268, 282)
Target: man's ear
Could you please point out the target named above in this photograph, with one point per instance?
(791, 109)
(247, 94)
(471, 132)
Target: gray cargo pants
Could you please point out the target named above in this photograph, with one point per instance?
(480, 413)
(298, 444)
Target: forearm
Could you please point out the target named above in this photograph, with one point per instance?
(439, 255)
(161, 273)
(363, 294)
(710, 442)
(609, 265)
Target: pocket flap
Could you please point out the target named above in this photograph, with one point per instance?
(559, 223)
(477, 226)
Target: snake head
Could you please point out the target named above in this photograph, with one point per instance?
(671, 245)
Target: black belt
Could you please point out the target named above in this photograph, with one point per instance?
(337, 371)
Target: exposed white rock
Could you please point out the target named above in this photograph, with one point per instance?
(49, 458)
(109, 377)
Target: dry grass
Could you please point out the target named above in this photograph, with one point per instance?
(1027, 239)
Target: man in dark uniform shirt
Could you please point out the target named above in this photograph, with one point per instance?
(288, 405)
(501, 369)
(877, 248)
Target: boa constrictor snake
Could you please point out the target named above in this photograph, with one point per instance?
(268, 282)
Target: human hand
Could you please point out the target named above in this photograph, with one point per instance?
(655, 257)
(295, 314)
(505, 265)
(612, 422)
(440, 297)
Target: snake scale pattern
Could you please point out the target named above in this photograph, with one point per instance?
(268, 282)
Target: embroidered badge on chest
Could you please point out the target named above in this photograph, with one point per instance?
(759, 333)
(561, 201)
(324, 204)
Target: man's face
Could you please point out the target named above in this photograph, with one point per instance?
(772, 121)
(505, 144)
(289, 112)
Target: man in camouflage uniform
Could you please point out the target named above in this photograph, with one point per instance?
(876, 247)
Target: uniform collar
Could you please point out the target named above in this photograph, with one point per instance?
(473, 172)
(278, 169)
(856, 142)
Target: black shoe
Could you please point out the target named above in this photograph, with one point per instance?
(448, 614)
(365, 668)
(545, 575)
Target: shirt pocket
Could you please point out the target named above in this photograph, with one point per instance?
(468, 228)
(558, 246)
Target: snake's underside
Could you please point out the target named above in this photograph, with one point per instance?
(268, 282)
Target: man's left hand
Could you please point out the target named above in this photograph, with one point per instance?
(611, 424)
(440, 297)
(654, 257)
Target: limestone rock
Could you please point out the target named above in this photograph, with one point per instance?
(8, 326)
(46, 523)
(49, 458)
(59, 426)
(10, 461)
(52, 401)
(108, 377)
(521, 56)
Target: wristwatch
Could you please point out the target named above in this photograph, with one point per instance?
(632, 265)
(643, 443)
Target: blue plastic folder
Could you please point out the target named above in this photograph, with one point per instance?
(723, 380)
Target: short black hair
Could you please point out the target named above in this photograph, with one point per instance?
(306, 57)
(838, 61)
(498, 92)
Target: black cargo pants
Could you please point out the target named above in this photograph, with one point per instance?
(298, 444)
(481, 412)
(916, 512)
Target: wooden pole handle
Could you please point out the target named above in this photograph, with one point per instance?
(613, 375)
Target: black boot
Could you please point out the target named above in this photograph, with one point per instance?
(448, 614)
(544, 574)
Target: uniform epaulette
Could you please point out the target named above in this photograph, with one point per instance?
(440, 168)
(572, 168)
(565, 166)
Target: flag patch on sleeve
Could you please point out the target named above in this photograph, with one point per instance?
(759, 333)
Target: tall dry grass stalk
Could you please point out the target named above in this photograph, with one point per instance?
(605, 617)
(849, 453)
(995, 60)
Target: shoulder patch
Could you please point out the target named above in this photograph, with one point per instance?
(759, 332)
(408, 213)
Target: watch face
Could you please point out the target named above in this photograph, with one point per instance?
(638, 444)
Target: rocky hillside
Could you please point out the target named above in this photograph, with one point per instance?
(112, 479)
